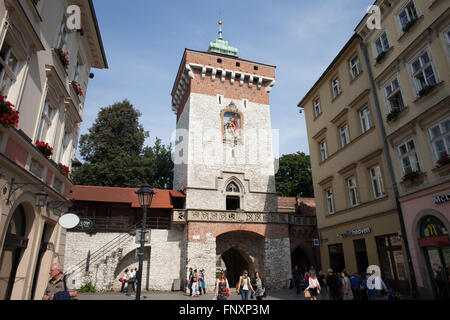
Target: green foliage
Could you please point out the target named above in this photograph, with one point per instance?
(115, 155)
(87, 287)
(294, 176)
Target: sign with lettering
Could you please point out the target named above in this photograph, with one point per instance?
(442, 199)
(356, 232)
(85, 224)
(146, 236)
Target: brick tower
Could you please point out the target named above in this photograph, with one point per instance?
(224, 164)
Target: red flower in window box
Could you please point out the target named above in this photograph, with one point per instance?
(43, 147)
(77, 87)
(64, 169)
(8, 116)
(64, 57)
(443, 161)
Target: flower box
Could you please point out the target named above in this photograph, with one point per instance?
(393, 115)
(409, 25)
(381, 56)
(426, 90)
(78, 88)
(8, 116)
(64, 169)
(43, 147)
(445, 160)
(64, 57)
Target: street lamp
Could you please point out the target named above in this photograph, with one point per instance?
(41, 199)
(145, 196)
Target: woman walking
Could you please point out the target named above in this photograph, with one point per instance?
(123, 280)
(244, 285)
(260, 290)
(314, 286)
(202, 277)
(195, 290)
(222, 290)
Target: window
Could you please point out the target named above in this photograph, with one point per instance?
(220, 98)
(440, 138)
(377, 182)
(408, 157)
(62, 37)
(316, 105)
(343, 133)
(382, 43)
(423, 72)
(46, 122)
(447, 41)
(335, 87)
(353, 196)
(9, 66)
(366, 120)
(394, 97)
(355, 68)
(329, 197)
(408, 14)
(65, 143)
(323, 151)
(76, 74)
(233, 188)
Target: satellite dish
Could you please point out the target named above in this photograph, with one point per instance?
(69, 221)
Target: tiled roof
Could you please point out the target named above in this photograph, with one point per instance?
(161, 198)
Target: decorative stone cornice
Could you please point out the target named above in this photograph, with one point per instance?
(219, 73)
(184, 216)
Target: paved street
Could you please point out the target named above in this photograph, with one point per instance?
(275, 295)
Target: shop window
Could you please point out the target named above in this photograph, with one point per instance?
(337, 261)
(362, 261)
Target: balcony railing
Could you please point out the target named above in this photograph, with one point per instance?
(124, 224)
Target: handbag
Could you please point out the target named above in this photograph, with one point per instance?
(307, 294)
(228, 292)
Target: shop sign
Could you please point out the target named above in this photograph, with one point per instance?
(356, 232)
(442, 199)
(316, 242)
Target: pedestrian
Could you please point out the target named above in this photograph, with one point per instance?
(57, 287)
(313, 287)
(123, 280)
(259, 288)
(332, 282)
(131, 277)
(321, 278)
(222, 289)
(355, 285)
(346, 292)
(312, 269)
(298, 280)
(306, 278)
(190, 280)
(136, 279)
(195, 290)
(244, 285)
(202, 277)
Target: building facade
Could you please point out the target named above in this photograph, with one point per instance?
(224, 167)
(356, 209)
(47, 87)
(410, 58)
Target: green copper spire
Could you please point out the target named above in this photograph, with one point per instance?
(221, 46)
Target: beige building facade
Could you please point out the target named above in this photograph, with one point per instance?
(42, 85)
(410, 59)
(356, 209)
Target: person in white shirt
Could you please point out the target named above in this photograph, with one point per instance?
(314, 286)
(131, 277)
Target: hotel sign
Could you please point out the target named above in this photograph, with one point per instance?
(442, 199)
(356, 232)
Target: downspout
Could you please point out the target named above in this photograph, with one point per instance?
(391, 170)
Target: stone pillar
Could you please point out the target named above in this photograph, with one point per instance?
(277, 262)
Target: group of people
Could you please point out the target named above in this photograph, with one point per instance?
(128, 277)
(340, 286)
(196, 282)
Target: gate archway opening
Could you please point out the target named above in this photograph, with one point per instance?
(235, 264)
(300, 258)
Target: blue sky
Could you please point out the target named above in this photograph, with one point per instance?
(144, 42)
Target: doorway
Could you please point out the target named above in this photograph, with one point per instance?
(362, 261)
(300, 259)
(337, 260)
(15, 245)
(235, 265)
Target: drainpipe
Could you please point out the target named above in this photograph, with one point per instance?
(391, 169)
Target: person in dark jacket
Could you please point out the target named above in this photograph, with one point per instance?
(333, 285)
(298, 279)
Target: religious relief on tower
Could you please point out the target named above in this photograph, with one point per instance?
(232, 131)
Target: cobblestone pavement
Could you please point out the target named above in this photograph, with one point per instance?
(152, 295)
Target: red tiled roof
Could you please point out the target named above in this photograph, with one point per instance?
(161, 198)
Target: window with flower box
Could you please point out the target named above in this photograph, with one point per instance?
(46, 123)
(408, 16)
(408, 157)
(440, 139)
(393, 94)
(423, 73)
(63, 36)
(381, 46)
(9, 67)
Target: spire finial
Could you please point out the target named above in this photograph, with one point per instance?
(220, 29)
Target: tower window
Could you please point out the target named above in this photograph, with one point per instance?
(255, 68)
(233, 203)
(232, 187)
(238, 64)
(219, 60)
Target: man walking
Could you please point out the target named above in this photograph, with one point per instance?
(57, 288)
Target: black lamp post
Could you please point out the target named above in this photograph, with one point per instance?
(145, 195)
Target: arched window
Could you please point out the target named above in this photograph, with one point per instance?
(233, 197)
(233, 188)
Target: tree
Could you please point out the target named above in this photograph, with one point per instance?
(115, 155)
(294, 176)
